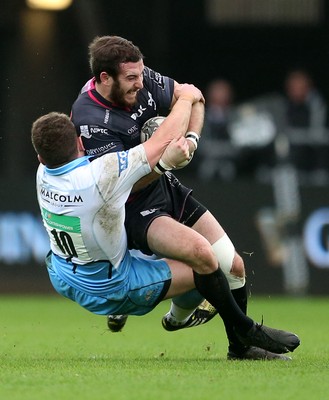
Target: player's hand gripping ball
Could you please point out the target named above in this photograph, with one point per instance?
(150, 126)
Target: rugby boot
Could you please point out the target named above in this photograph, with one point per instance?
(115, 323)
(270, 339)
(256, 353)
(201, 315)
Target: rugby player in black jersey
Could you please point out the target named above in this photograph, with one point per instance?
(162, 216)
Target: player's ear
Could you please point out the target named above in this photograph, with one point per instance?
(41, 160)
(106, 78)
(81, 147)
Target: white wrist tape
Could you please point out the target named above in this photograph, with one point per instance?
(193, 137)
(162, 167)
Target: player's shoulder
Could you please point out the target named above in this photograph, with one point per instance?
(85, 111)
(82, 98)
(80, 105)
(107, 170)
(152, 77)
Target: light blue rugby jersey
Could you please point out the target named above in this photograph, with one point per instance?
(83, 209)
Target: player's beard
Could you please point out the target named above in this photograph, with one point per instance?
(117, 95)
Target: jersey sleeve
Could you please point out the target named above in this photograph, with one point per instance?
(161, 87)
(119, 171)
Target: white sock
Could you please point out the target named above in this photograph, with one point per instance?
(178, 315)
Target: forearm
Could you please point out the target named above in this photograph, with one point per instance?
(197, 115)
(178, 120)
(196, 121)
(173, 127)
(197, 118)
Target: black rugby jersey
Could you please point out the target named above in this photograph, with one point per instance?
(105, 127)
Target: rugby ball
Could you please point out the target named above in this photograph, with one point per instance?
(150, 126)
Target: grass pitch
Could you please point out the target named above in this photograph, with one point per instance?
(53, 349)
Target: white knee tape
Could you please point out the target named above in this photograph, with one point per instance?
(225, 253)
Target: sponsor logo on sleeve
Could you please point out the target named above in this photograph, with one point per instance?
(151, 102)
(156, 77)
(123, 160)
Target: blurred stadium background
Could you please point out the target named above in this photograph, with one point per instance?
(280, 225)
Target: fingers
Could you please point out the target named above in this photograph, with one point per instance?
(180, 143)
(190, 91)
(183, 147)
(176, 152)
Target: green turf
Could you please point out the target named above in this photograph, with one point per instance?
(53, 349)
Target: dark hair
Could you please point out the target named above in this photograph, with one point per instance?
(106, 53)
(54, 138)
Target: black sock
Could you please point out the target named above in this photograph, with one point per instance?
(215, 288)
(241, 298)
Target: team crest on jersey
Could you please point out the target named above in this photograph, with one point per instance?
(123, 160)
(84, 131)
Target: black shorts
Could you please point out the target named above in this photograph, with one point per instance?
(166, 196)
